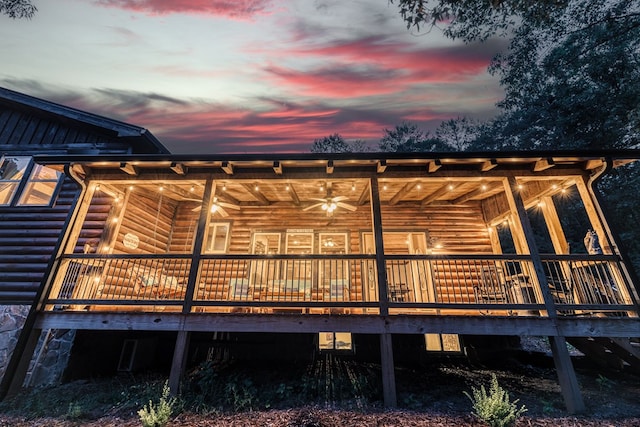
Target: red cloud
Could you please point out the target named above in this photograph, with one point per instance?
(238, 9)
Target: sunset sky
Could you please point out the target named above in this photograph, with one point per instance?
(246, 76)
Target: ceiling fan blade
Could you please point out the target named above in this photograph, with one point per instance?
(229, 205)
(339, 198)
(347, 206)
(196, 209)
(313, 206)
(221, 211)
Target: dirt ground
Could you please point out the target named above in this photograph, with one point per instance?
(431, 395)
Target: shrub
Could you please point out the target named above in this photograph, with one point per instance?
(494, 407)
(153, 415)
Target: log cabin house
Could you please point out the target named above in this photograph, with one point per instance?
(443, 246)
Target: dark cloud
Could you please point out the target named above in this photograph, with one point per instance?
(194, 126)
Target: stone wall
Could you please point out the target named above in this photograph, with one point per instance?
(52, 352)
(12, 318)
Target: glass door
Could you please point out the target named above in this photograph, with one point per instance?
(334, 273)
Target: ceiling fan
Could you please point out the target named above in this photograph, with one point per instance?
(218, 206)
(330, 204)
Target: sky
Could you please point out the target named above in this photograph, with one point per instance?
(246, 76)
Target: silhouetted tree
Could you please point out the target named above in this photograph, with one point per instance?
(17, 9)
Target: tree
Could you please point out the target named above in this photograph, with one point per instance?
(331, 144)
(458, 133)
(17, 9)
(471, 20)
(407, 137)
(575, 84)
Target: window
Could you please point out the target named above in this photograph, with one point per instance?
(341, 341)
(449, 343)
(217, 237)
(24, 183)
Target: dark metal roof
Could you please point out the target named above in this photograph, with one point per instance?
(115, 127)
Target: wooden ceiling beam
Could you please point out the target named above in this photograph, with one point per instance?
(488, 165)
(294, 195)
(129, 169)
(227, 168)
(543, 164)
(434, 165)
(178, 168)
(330, 167)
(364, 196)
(381, 166)
(437, 194)
(257, 194)
(403, 192)
(484, 188)
(277, 168)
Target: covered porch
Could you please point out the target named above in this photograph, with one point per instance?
(454, 244)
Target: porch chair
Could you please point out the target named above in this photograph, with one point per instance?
(491, 287)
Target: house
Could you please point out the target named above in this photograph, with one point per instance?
(440, 246)
(35, 200)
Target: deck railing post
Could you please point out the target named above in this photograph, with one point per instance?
(376, 213)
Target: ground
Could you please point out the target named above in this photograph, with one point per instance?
(431, 394)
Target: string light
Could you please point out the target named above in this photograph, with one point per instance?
(451, 187)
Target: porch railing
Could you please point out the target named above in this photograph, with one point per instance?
(452, 284)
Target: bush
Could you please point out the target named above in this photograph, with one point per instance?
(152, 415)
(494, 407)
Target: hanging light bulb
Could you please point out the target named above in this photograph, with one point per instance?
(214, 208)
(324, 206)
(353, 187)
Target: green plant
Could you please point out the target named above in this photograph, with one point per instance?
(494, 407)
(153, 415)
(241, 393)
(604, 383)
(74, 411)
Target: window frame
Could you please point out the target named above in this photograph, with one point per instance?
(16, 200)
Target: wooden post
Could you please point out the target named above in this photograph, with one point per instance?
(564, 367)
(376, 214)
(388, 372)
(566, 375)
(179, 361)
(197, 246)
(19, 362)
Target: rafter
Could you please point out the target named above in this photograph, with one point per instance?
(277, 168)
(294, 195)
(403, 192)
(474, 193)
(364, 196)
(178, 168)
(129, 168)
(437, 194)
(257, 194)
(227, 168)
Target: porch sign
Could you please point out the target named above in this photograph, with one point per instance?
(130, 241)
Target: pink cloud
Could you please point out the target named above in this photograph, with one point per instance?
(375, 66)
(237, 9)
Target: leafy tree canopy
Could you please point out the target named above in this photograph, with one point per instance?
(17, 9)
(471, 20)
(336, 144)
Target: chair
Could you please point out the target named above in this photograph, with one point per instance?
(491, 289)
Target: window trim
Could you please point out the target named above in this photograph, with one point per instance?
(25, 181)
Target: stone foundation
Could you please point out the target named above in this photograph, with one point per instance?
(52, 352)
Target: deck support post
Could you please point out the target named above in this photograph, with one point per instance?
(388, 372)
(179, 361)
(564, 367)
(566, 375)
(19, 362)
